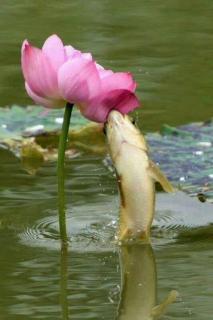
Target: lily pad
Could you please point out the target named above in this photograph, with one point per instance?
(32, 133)
(16, 120)
(184, 153)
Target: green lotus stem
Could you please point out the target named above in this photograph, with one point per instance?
(60, 169)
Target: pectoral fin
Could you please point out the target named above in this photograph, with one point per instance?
(158, 175)
(158, 310)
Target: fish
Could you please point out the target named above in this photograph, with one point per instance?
(138, 297)
(136, 176)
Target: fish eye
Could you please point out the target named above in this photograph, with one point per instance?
(133, 121)
(105, 129)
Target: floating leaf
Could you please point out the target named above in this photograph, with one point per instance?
(19, 124)
(32, 156)
(184, 153)
(16, 121)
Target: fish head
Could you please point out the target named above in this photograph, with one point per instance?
(120, 130)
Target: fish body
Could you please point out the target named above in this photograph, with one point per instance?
(136, 176)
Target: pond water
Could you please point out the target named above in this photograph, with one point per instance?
(168, 47)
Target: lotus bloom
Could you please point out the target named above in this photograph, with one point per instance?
(57, 74)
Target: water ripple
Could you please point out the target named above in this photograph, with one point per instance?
(83, 235)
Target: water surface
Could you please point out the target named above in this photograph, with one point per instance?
(168, 47)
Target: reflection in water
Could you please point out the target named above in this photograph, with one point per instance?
(63, 281)
(139, 285)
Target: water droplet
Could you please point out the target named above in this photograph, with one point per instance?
(59, 120)
(182, 179)
(34, 130)
(111, 300)
(205, 143)
(198, 153)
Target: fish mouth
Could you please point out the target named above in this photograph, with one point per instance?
(113, 126)
(115, 118)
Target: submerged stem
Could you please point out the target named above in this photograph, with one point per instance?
(60, 169)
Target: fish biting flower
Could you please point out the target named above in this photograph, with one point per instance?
(57, 74)
(136, 176)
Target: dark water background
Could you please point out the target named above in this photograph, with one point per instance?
(168, 46)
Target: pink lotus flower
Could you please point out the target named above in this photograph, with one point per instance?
(57, 74)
